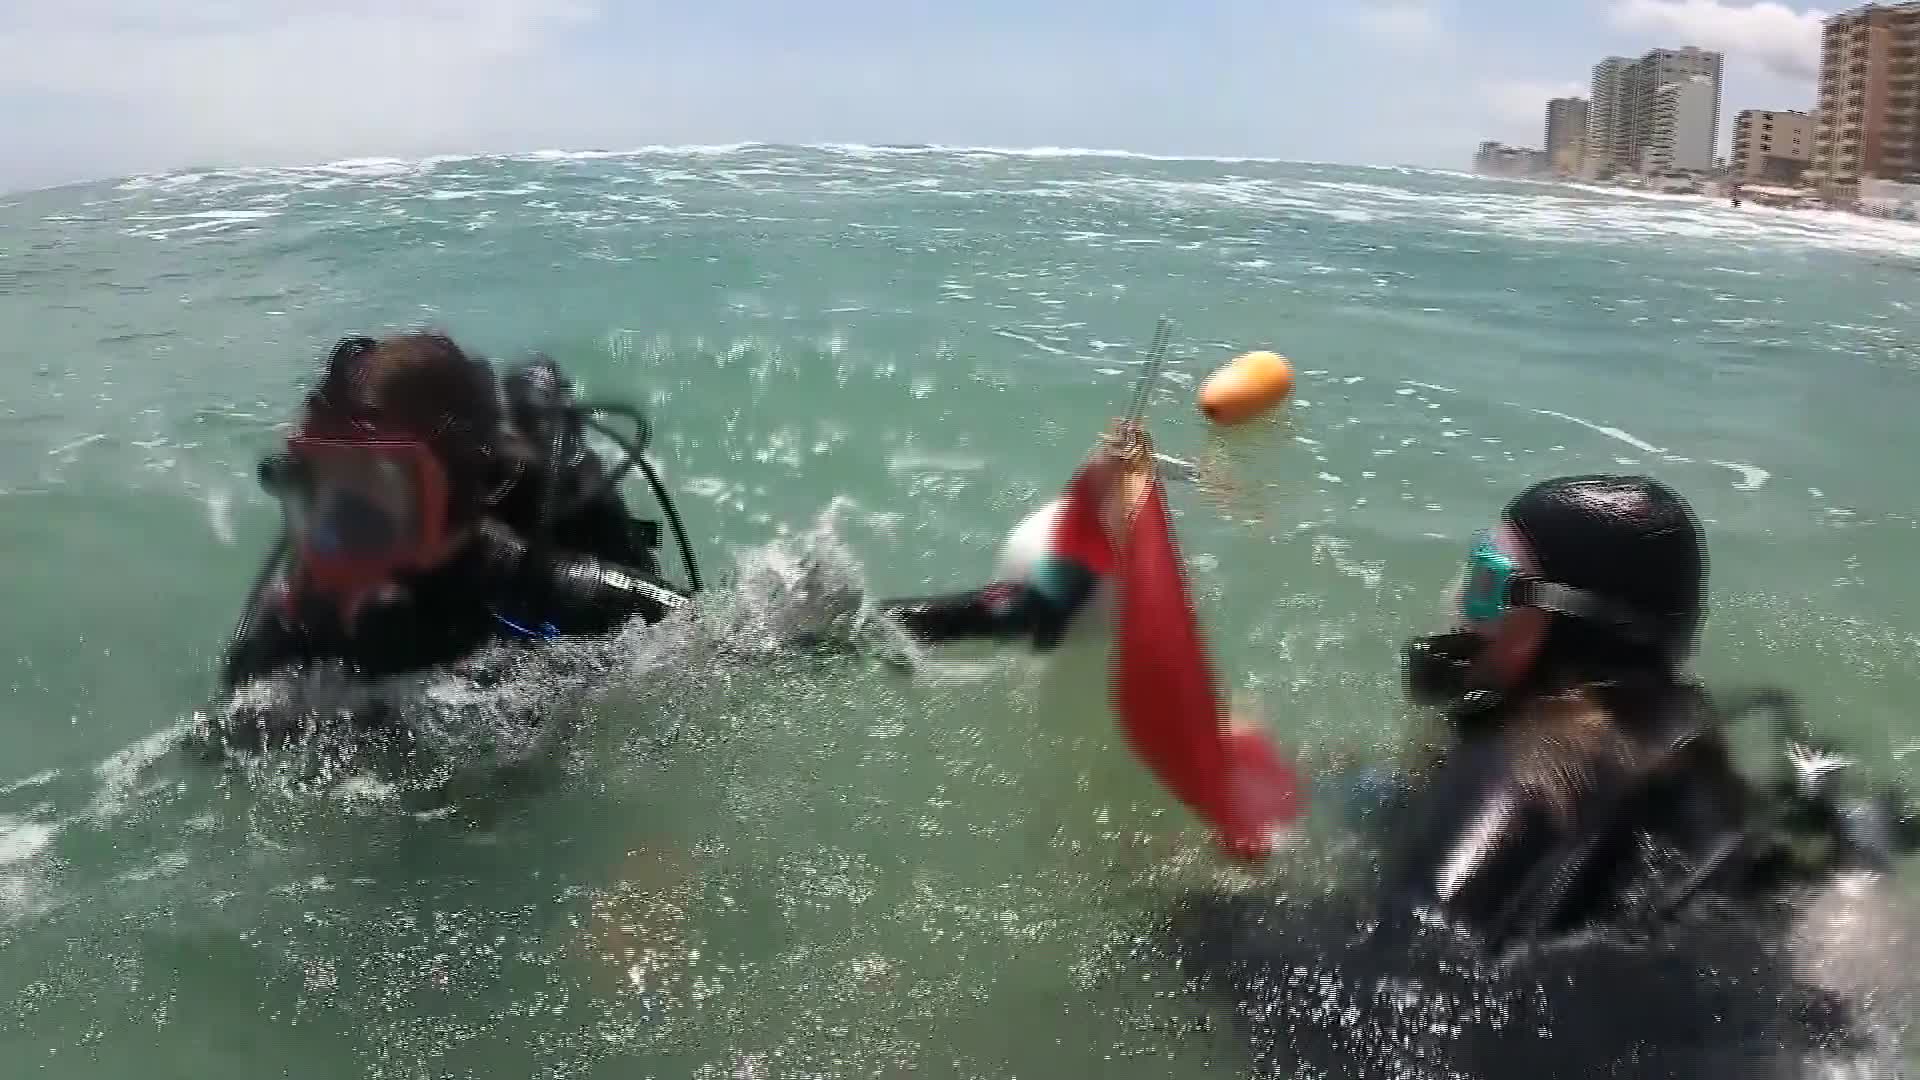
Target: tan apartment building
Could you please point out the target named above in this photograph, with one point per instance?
(1772, 147)
(1869, 96)
(1566, 134)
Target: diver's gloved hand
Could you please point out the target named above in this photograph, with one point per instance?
(817, 603)
(1815, 771)
(1822, 791)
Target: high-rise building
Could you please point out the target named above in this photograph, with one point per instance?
(1607, 115)
(1869, 116)
(1650, 101)
(1679, 137)
(1627, 104)
(1566, 133)
(1499, 159)
(1772, 147)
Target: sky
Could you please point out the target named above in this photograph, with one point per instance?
(101, 88)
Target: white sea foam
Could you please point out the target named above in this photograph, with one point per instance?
(1610, 432)
(1173, 468)
(209, 215)
(376, 166)
(1752, 477)
(67, 448)
(220, 515)
(23, 871)
(1040, 152)
(1033, 341)
(39, 779)
(124, 775)
(22, 840)
(912, 461)
(652, 150)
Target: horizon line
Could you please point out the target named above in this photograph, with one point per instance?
(705, 149)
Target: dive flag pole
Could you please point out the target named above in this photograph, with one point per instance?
(1162, 685)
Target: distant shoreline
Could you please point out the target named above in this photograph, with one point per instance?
(1720, 195)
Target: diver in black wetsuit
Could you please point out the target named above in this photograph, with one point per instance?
(1581, 874)
(1582, 742)
(433, 508)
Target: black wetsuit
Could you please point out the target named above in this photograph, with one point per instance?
(495, 589)
(524, 574)
(1002, 611)
(1625, 933)
(1516, 833)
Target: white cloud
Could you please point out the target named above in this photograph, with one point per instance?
(269, 79)
(1410, 23)
(1784, 41)
(1521, 104)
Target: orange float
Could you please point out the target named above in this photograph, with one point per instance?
(1246, 387)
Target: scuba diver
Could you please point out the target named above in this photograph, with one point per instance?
(1581, 882)
(1583, 740)
(432, 508)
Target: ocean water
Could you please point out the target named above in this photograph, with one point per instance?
(719, 858)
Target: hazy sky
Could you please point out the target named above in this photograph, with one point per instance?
(94, 88)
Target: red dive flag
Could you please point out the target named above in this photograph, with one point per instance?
(1163, 686)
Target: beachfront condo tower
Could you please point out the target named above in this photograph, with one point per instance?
(1772, 147)
(1566, 134)
(1654, 114)
(1869, 97)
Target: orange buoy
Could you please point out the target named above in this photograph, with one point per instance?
(1245, 387)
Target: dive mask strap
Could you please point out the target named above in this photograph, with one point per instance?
(1496, 582)
(1551, 596)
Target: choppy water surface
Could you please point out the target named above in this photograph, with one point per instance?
(718, 858)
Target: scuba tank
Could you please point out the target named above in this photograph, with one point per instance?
(1815, 817)
(542, 404)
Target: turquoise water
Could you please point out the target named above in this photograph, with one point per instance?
(732, 861)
